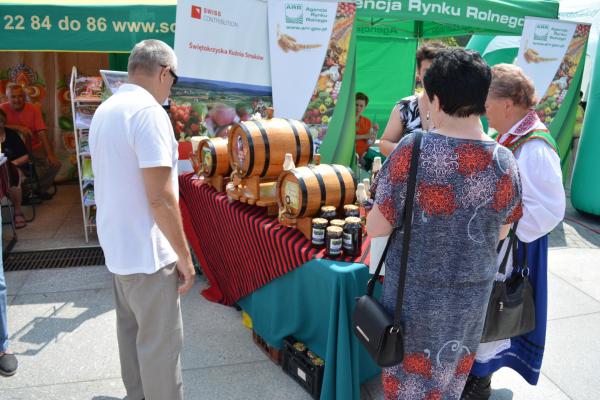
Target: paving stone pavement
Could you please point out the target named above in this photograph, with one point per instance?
(62, 326)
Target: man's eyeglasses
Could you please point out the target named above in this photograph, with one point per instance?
(173, 74)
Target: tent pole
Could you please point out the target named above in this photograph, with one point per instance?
(418, 29)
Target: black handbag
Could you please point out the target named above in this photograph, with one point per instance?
(511, 309)
(380, 333)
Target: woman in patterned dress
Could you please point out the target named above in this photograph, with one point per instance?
(411, 112)
(468, 192)
(510, 110)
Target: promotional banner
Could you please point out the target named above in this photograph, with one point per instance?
(113, 79)
(223, 54)
(310, 65)
(550, 53)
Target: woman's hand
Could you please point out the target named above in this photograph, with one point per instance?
(504, 229)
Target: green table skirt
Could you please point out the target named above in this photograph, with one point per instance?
(314, 304)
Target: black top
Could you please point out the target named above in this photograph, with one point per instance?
(13, 146)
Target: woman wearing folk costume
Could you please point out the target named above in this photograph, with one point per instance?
(510, 110)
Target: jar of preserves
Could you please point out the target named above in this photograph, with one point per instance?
(337, 222)
(351, 210)
(319, 225)
(328, 212)
(352, 237)
(334, 241)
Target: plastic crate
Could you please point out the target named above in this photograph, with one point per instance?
(299, 366)
(274, 354)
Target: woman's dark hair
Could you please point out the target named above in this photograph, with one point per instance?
(363, 97)
(3, 114)
(428, 51)
(461, 80)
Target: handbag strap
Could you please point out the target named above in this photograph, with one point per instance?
(407, 226)
(511, 248)
(412, 179)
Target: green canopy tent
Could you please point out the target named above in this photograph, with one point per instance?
(388, 33)
(107, 26)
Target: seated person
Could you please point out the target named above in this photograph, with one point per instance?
(26, 119)
(16, 152)
(365, 131)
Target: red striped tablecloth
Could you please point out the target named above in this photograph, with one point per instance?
(238, 246)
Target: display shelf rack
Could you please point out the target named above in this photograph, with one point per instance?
(82, 108)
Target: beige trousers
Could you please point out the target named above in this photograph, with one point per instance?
(150, 334)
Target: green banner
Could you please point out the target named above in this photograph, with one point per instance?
(34, 27)
(483, 15)
(338, 144)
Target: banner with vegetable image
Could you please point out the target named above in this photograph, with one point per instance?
(551, 53)
(311, 69)
(223, 54)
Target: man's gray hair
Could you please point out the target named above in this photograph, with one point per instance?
(149, 55)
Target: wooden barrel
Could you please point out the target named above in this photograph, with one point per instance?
(258, 147)
(213, 157)
(301, 192)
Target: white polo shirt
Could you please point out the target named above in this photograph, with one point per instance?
(130, 131)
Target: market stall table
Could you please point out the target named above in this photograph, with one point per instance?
(252, 260)
(314, 304)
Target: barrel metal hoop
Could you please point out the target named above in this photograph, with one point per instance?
(303, 190)
(250, 149)
(265, 137)
(213, 153)
(352, 175)
(310, 143)
(321, 183)
(298, 144)
(342, 185)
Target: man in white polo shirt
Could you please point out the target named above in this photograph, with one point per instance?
(134, 159)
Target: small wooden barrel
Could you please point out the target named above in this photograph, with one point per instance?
(301, 192)
(258, 147)
(213, 157)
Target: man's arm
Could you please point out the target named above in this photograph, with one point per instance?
(20, 128)
(165, 209)
(43, 135)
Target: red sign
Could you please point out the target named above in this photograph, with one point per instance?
(196, 12)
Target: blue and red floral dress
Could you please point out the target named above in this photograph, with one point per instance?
(466, 190)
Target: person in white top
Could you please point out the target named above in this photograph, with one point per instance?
(510, 110)
(134, 160)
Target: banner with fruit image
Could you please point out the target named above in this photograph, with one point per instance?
(223, 54)
(552, 53)
(310, 47)
(44, 77)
